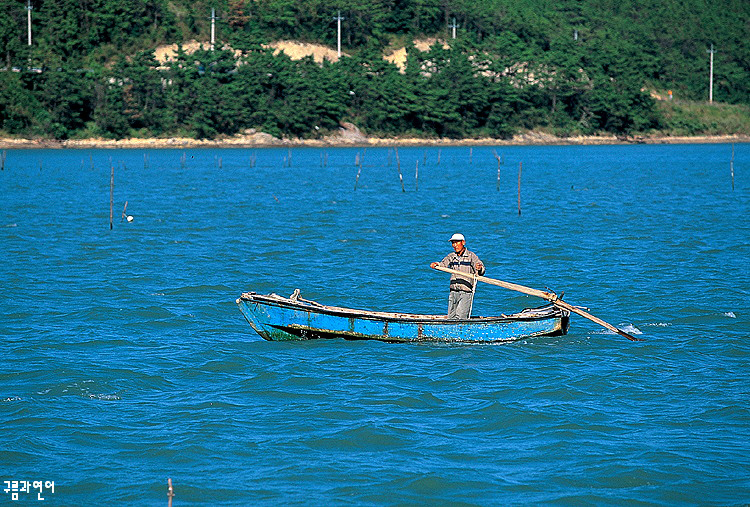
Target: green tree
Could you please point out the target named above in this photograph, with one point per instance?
(180, 94)
(143, 87)
(616, 101)
(216, 101)
(61, 36)
(64, 90)
(11, 38)
(19, 109)
(109, 106)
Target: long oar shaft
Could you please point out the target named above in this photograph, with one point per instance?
(541, 294)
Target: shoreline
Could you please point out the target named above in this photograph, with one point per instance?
(356, 139)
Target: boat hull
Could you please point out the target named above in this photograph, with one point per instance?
(276, 318)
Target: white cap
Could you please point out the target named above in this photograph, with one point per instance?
(458, 237)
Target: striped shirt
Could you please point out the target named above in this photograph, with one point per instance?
(465, 263)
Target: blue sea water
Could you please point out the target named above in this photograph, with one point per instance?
(125, 360)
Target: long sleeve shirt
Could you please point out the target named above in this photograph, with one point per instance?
(466, 263)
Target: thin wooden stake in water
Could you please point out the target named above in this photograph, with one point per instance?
(170, 492)
(731, 167)
(471, 155)
(416, 177)
(438, 160)
(400, 176)
(111, 193)
(497, 185)
(520, 165)
(357, 180)
(124, 211)
(2, 160)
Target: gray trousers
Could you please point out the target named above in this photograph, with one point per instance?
(459, 304)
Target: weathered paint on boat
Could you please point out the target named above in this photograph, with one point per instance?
(277, 318)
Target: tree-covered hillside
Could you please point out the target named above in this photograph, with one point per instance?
(570, 66)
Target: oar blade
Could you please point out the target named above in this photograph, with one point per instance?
(629, 337)
(592, 318)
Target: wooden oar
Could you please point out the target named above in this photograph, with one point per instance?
(541, 294)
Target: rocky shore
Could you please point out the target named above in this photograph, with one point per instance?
(349, 135)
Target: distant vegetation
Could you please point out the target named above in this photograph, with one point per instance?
(568, 67)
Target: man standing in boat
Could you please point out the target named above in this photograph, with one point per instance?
(461, 293)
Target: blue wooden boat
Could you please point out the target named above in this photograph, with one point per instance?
(277, 318)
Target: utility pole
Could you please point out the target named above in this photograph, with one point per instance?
(338, 19)
(711, 76)
(28, 8)
(453, 26)
(213, 28)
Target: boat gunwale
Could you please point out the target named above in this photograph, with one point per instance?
(313, 306)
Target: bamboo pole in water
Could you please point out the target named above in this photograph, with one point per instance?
(170, 492)
(111, 193)
(416, 177)
(731, 167)
(357, 179)
(520, 165)
(400, 176)
(2, 160)
(497, 185)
